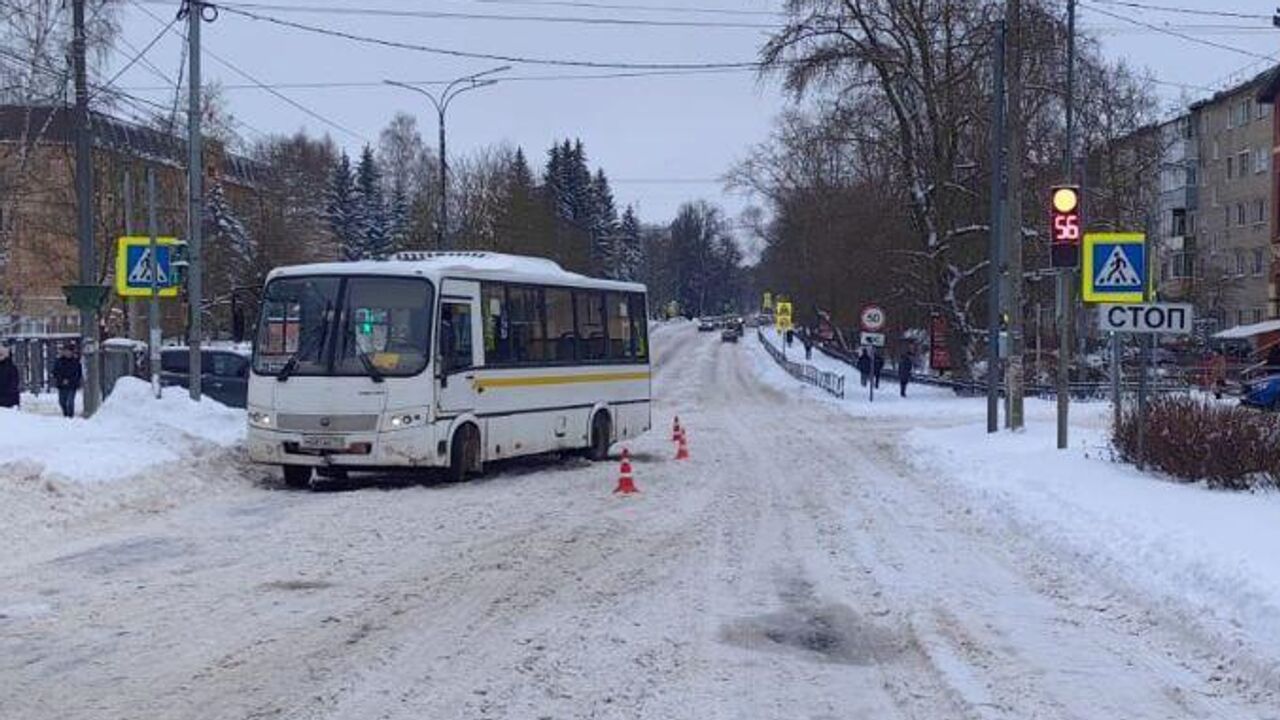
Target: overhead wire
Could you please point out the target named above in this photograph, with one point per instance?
(1133, 4)
(258, 83)
(1093, 7)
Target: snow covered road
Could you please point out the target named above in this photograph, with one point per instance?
(796, 567)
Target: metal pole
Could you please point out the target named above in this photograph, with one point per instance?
(1065, 300)
(871, 396)
(153, 314)
(444, 188)
(1117, 368)
(132, 306)
(195, 197)
(84, 210)
(1014, 372)
(994, 253)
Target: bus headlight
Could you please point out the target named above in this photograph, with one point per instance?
(260, 419)
(401, 420)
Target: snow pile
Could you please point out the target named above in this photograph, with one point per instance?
(132, 431)
(1208, 555)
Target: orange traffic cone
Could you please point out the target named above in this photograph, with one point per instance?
(626, 484)
(682, 450)
(675, 429)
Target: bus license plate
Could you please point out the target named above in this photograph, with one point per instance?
(324, 442)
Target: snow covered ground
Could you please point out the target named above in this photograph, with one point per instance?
(798, 566)
(1208, 557)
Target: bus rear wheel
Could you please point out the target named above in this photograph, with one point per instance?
(297, 477)
(464, 454)
(601, 437)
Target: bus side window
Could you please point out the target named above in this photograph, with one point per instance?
(639, 327)
(497, 346)
(589, 313)
(562, 338)
(620, 336)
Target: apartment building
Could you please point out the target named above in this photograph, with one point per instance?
(1232, 220)
(1176, 199)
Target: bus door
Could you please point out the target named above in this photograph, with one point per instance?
(459, 350)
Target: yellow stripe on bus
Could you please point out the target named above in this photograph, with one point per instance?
(560, 379)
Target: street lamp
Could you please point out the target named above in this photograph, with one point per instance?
(441, 103)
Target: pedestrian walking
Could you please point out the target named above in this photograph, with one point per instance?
(807, 339)
(906, 364)
(864, 366)
(879, 368)
(67, 377)
(10, 387)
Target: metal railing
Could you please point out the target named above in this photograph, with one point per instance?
(832, 383)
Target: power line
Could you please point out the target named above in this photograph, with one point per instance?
(1173, 33)
(244, 74)
(445, 15)
(140, 54)
(366, 39)
(380, 84)
(1185, 11)
(638, 8)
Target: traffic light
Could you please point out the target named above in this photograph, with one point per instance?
(1064, 225)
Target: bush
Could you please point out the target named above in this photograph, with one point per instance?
(1200, 440)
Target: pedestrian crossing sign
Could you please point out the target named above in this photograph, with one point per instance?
(133, 267)
(1114, 268)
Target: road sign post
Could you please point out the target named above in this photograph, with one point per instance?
(1114, 268)
(872, 318)
(134, 266)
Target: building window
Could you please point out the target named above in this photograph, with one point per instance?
(1240, 214)
(1257, 315)
(1261, 160)
(1242, 163)
(1240, 262)
(1231, 164)
(1191, 175)
(1240, 317)
(1191, 223)
(1258, 261)
(1179, 223)
(1263, 109)
(1259, 211)
(1216, 149)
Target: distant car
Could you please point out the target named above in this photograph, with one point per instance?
(1263, 394)
(731, 333)
(224, 373)
(706, 325)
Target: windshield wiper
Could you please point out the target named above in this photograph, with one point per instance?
(374, 373)
(289, 366)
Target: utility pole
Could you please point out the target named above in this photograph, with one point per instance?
(84, 209)
(451, 91)
(132, 306)
(995, 251)
(195, 197)
(1066, 275)
(1013, 212)
(153, 314)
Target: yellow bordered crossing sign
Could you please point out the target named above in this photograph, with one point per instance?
(133, 266)
(1114, 268)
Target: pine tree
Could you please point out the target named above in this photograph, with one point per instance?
(371, 212)
(630, 250)
(232, 253)
(602, 216)
(342, 212)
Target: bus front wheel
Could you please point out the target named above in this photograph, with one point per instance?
(297, 477)
(464, 454)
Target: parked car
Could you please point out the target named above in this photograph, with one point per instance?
(224, 373)
(1263, 394)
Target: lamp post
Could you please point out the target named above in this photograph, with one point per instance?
(441, 103)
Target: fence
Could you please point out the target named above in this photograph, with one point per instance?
(35, 354)
(830, 382)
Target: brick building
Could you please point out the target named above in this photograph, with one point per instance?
(38, 243)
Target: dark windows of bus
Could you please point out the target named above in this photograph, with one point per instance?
(591, 325)
(386, 324)
(639, 327)
(497, 336)
(295, 320)
(622, 344)
(562, 338)
(455, 336)
(524, 313)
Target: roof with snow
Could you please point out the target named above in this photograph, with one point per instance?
(1241, 332)
(478, 264)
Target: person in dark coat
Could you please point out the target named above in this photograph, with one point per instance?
(67, 377)
(879, 368)
(906, 364)
(864, 366)
(10, 386)
(807, 339)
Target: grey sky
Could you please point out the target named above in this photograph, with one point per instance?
(662, 139)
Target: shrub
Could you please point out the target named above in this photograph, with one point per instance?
(1200, 440)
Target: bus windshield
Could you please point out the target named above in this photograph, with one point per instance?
(328, 325)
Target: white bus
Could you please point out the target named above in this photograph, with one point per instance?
(445, 360)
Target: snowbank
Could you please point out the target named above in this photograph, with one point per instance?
(1207, 555)
(132, 431)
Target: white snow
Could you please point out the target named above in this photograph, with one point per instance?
(1208, 557)
(131, 432)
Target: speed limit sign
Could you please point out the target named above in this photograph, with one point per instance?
(872, 318)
